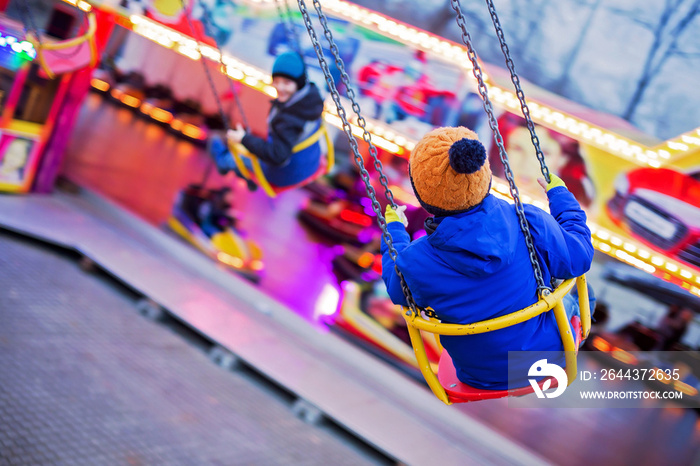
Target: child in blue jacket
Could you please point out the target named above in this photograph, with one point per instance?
(295, 115)
(473, 264)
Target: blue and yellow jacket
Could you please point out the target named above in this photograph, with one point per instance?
(289, 123)
(475, 266)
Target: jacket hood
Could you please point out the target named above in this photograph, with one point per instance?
(306, 104)
(480, 240)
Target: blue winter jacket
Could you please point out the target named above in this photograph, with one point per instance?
(290, 123)
(475, 266)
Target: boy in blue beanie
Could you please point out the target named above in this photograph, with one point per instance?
(294, 116)
(474, 265)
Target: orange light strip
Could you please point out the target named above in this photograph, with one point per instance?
(130, 100)
(99, 84)
(194, 132)
(161, 115)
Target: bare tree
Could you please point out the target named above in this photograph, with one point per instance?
(524, 24)
(675, 18)
(560, 84)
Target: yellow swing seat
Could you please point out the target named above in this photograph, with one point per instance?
(258, 176)
(59, 57)
(445, 384)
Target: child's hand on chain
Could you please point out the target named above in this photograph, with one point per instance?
(396, 215)
(554, 181)
(235, 136)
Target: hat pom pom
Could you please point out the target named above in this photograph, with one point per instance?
(467, 156)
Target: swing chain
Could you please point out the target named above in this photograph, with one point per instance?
(207, 72)
(493, 123)
(288, 23)
(354, 147)
(209, 27)
(360, 120)
(28, 20)
(518, 89)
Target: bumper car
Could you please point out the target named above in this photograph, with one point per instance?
(340, 220)
(189, 122)
(130, 91)
(369, 319)
(658, 351)
(102, 80)
(159, 104)
(629, 351)
(362, 264)
(200, 216)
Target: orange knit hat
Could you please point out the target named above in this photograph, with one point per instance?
(449, 171)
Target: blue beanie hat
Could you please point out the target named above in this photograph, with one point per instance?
(290, 65)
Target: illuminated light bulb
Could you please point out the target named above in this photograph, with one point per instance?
(235, 73)
(99, 84)
(605, 247)
(189, 53)
(686, 274)
(664, 154)
(643, 254)
(654, 163)
(690, 140)
(677, 146)
(656, 260)
(616, 241)
(210, 53)
(161, 115)
(671, 267)
(146, 108)
(502, 188)
(604, 235)
(630, 247)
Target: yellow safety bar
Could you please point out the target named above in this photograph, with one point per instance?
(238, 151)
(89, 37)
(416, 323)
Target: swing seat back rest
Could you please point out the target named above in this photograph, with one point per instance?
(306, 147)
(59, 57)
(445, 384)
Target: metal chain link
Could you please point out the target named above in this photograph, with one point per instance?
(208, 26)
(290, 18)
(355, 150)
(219, 106)
(518, 89)
(28, 20)
(361, 122)
(288, 24)
(493, 123)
